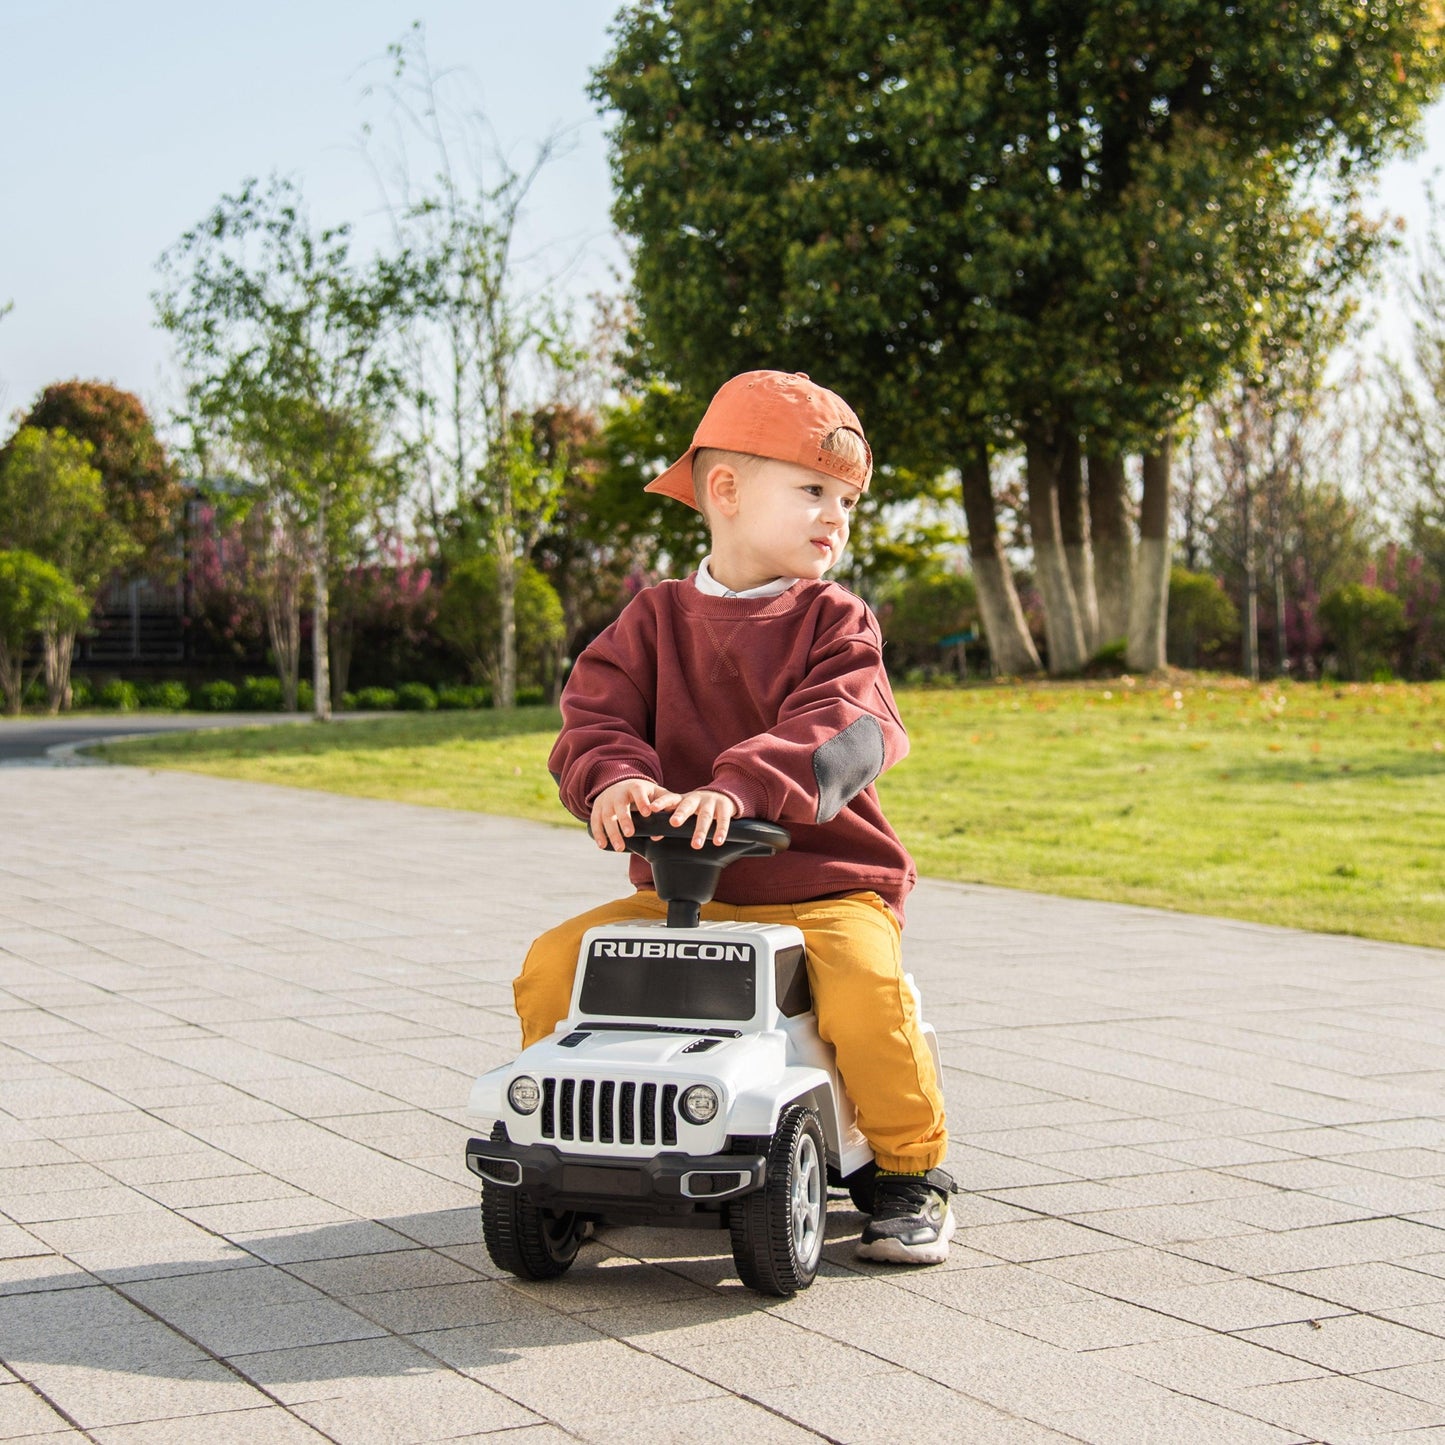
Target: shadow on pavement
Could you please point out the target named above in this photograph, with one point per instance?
(371, 1298)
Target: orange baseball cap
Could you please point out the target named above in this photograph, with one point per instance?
(779, 414)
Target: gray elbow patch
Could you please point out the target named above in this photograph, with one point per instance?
(846, 764)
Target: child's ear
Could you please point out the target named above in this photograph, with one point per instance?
(722, 489)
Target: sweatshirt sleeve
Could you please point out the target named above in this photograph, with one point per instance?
(607, 710)
(836, 733)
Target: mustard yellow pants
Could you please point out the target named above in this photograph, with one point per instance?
(864, 1005)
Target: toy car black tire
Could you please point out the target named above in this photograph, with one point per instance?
(778, 1231)
(525, 1239)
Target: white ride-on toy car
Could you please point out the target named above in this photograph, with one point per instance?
(687, 1087)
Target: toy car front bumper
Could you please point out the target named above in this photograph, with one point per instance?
(573, 1181)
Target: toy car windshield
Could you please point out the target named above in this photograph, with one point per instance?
(625, 979)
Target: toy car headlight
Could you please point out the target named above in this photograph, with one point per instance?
(523, 1094)
(698, 1104)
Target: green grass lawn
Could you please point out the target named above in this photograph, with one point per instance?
(1318, 807)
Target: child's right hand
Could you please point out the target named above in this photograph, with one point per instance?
(613, 807)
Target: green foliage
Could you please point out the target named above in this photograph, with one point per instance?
(416, 697)
(971, 212)
(80, 692)
(917, 613)
(374, 699)
(218, 696)
(168, 696)
(52, 503)
(281, 335)
(457, 699)
(1203, 622)
(1365, 625)
(34, 595)
(1111, 660)
(469, 619)
(118, 695)
(259, 694)
(142, 488)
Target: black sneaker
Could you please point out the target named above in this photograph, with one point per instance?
(912, 1221)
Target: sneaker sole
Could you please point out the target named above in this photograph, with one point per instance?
(894, 1251)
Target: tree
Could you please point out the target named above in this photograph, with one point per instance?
(1010, 224)
(1202, 619)
(470, 618)
(34, 598)
(52, 504)
(1365, 624)
(142, 489)
(1265, 424)
(282, 337)
(483, 351)
(1416, 405)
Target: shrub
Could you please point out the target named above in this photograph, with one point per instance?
(348, 702)
(1365, 625)
(376, 699)
(416, 697)
(305, 697)
(80, 692)
(531, 696)
(1109, 661)
(34, 694)
(259, 694)
(119, 695)
(469, 619)
(1203, 622)
(919, 612)
(169, 696)
(451, 698)
(217, 696)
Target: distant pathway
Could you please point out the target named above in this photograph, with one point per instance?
(28, 740)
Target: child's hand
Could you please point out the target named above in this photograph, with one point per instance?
(713, 811)
(612, 809)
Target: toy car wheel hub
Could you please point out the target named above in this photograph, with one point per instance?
(807, 1200)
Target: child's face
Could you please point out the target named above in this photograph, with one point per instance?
(784, 520)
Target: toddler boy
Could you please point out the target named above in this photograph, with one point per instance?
(754, 688)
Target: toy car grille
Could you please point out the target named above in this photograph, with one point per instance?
(592, 1111)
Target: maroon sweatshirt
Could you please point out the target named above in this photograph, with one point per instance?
(779, 702)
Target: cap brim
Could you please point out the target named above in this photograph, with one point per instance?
(676, 481)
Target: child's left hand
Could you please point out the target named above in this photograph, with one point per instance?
(714, 811)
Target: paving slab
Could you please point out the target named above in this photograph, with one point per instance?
(1203, 1161)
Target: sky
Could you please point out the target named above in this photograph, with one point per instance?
(122, 125)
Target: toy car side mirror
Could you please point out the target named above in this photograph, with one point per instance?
(687, 877)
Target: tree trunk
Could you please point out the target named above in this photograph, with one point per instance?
(1113, 546)
(58, 648)
(339, 648)
(321, 614)
(1009, 643)
(1063, 628)
(282, 605)
(1251, 584)
(1149, 600)
(283, 630)
(12, 678)
(1074, 530)
(1281, 640)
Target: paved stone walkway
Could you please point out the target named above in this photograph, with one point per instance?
(1205, 1162)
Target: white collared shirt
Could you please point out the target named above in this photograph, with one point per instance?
(709, 586)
